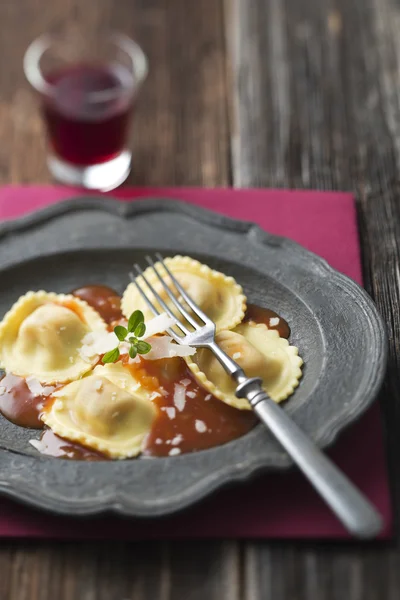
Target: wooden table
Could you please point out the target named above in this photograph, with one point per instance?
(284, 93)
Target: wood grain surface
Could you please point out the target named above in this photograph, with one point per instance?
(285, 93)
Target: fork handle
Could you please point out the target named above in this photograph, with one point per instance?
(346, 501)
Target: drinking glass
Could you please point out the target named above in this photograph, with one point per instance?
(87, 87)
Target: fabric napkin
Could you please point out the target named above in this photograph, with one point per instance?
(274, 505)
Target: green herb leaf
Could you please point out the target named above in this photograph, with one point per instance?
(140, 330)
(136, 317)
(132, 352)
(143, 347)
(132, 339)
(111, 357)
(120, 332)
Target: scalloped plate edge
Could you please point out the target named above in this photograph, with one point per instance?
(123, 505)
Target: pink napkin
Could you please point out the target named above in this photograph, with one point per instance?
(274, 505)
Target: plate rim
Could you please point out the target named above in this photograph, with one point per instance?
(125, 208)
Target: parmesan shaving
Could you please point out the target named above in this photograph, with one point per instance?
(97, 342)
(237, 355)
(159, 324)
(165, 347)
(191, 394)
(174, 451)
(171, 412)
(200, 426)
(274, 321)
(185, 382)
(36, 388)
(39, 445)
(179, 396)
(182, 350)
(9, 381)
(177, 440)
(208, 397)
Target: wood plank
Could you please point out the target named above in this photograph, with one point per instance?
(179, 133)
(180, 136)
(316, 103)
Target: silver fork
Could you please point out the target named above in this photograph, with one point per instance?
(346, 501)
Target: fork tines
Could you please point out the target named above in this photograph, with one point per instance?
(171, 295)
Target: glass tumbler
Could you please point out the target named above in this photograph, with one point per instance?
(87, 88)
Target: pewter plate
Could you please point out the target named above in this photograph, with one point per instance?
(334, 323)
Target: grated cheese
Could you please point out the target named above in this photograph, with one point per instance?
(177, 440)
(200, 426)
(179, 396)
(36, 388)
(237, 355)
(191, 394)
(174, 451)
(274, 321)
(171, 412)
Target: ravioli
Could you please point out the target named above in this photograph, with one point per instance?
(124, 377)
(100, 413)
(219, 296)
(41, 335)
(260, 352)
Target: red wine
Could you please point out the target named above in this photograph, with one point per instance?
(88, 113)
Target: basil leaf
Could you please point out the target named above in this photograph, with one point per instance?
(120, 332)
(111, 357)
(132, 352)
(143, 347)
(134, 320)
(132, 339)
(140, 330)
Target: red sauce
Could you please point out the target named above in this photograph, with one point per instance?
(264, 315)
(202, 423)
(105, 300)
(54, 445)
(21, 407)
